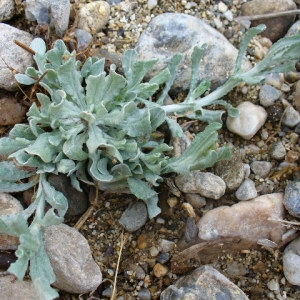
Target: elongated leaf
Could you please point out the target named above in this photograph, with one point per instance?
(196, 57)
(199, 149)
(9, 146)
(249, 35)
(12, 187)
(10, 172)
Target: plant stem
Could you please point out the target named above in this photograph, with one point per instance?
(217, 94)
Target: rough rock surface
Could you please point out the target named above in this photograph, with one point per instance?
(93, 16)
(231, 171)
(203, 283)
(247, 220)
(12, 55)
(7, 10)
(55, 13)
(12, 289)
(172, 33)
(71, 259)
(204, 183)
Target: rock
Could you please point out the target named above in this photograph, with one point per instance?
(277, 151)
(261, 168)
(204, 183)
(195, 200)
(11, 110)
(291, 199)
(268, 95)
(191, 230)
(135, 271)
(7, 10)
(291, 262)
(77, 201)
(84, 39)
(13, 289)
(151, 4)
(251, 118)
(9, 206)
(144, 294)
(134, 217)
(275, 112)
(160, 270)
(203, 283)
(276, 27)
(276, 80)
(55, 13)
(254, 215)
(294, 29)
(297, 96)
(166, 245)
(71, 260)
(246, 191)
(231, 171)
(92, 17)
(291, 117)
(12, 55)
(172, 33)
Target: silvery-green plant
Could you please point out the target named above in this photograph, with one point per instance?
(99, 128)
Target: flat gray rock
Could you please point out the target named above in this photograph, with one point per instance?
(13, 56)
(71, 259)
(172, 33)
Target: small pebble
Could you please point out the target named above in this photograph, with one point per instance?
(195, 200)
(268, 95)
(278, 151)
(151, 4)
(246, 191)
(163, 257)
(134, 217)
(291, 117)
(160, 270)
(154, 251)
(144, 294)
(261, 168)
(166, 245)
(291, 199)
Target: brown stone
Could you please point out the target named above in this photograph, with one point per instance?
(276, 27)
(11, 110)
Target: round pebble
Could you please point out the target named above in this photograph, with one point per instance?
(261, 168)
(251, 118)
(246, 191)
(160, 270)
(291, 199)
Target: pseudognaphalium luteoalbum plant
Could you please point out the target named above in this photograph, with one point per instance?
(98, 127)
